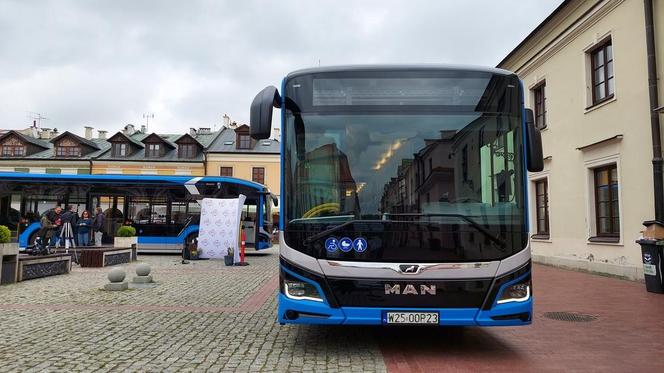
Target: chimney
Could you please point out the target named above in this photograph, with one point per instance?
(192, 131)
(101, 134)
(45, 133)
(204, 130)
(129, 129)
(144, 129)
(276, 133)
(227, 120)
(88, 132)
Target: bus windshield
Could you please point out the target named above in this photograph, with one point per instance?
(424, 168)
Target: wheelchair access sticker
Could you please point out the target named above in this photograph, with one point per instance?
(332, 244)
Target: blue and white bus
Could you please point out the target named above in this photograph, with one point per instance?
(404, 196)
(163, 209)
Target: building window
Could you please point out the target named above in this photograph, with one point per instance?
(607, 213)
(258, 175)
(539, 93)
(68, 151)
(601, 60)
(244, 142)
(153, 150)
(13, 150)
(542, 208)
(187, 150)
(119, 149)
(226, 171)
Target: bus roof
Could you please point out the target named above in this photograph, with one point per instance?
(393, 68)
(147, 179)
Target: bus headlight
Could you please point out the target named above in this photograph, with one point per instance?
(519, 292)
(297, 289)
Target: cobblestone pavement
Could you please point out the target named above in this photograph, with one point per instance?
(204, 316)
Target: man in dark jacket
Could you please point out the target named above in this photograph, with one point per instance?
(98, 225)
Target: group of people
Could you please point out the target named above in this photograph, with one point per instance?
(66, 227)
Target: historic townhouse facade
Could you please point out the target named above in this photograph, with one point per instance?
(585, 73)
(65, 153)
(234, 153)
(135, 152)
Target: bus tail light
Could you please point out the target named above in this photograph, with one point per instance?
(519, 292)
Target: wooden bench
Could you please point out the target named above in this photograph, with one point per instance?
(103, 256)
(30, 267)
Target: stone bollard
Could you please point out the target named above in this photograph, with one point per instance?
(116, 276)
(142, 274)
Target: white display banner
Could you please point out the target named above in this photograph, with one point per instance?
(220, 227)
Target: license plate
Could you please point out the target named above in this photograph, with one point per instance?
(399, 317)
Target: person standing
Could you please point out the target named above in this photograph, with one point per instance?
(67, 231)
(55, 215)
(98, 225)
(83, 228)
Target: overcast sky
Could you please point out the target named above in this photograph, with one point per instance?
(106, 63)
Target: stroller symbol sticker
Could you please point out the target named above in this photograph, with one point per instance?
(346, 244)
(331, 244)
(360, 245)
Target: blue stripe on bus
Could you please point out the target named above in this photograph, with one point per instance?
(24, 237)
(311, 312)
(140, 179)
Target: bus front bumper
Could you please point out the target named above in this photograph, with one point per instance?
(311, 312)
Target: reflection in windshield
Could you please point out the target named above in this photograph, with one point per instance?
(447, 185)
(464, 164)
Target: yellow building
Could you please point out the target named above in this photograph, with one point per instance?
(585, 71)
(234, 153)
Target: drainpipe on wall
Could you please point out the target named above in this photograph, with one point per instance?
(657, 173)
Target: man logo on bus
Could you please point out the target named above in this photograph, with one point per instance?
(410, 269)
(410, 289)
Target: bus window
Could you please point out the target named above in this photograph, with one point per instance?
(178, 212)
(139, 210)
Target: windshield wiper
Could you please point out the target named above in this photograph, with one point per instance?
(324, 233)
(470, 221)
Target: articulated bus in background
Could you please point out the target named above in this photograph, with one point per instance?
(404, 195)
(164, 209)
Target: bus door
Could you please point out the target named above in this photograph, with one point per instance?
(113, 207)
(249, 221)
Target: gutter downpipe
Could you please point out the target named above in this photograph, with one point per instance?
(657, 161)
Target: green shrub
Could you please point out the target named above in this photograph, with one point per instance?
(126, 231)
(5, 234)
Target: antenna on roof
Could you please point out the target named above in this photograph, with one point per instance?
(36, 118)
(147, 117)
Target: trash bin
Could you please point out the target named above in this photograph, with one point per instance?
(651, 255)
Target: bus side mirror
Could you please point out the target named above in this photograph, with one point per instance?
(260, 116)
(533, 144)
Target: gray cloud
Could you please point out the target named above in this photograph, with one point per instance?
(105, 63)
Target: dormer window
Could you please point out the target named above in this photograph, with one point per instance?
(120, 149)
(244, 142)
(153, 150)
(67, 151)
(187, 150)
(13, 150)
